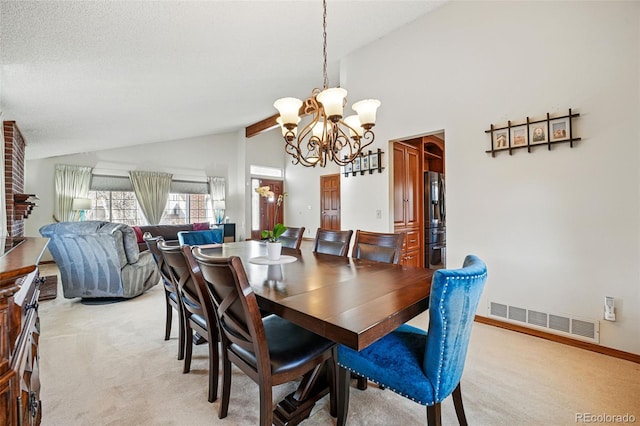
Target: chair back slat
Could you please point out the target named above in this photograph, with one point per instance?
(332, 242)
(236, 304)
(453, 302)
(181, 276)
(200, 284)
(379, 247)
(292, 237)
(165, 273)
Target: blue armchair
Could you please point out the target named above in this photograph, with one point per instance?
(424, 366)
(100, 259)
(197, 238)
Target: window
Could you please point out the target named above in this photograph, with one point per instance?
(115, 206)
(187, 208)
(122, 207)
(265, 171)
(200, 208)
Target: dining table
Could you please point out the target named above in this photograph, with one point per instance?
(353, 302)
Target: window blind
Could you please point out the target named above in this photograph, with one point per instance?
(122, 183)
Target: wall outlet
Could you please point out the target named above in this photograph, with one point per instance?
(609, 308)
(378, 214)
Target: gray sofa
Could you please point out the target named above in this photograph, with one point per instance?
(100, 259)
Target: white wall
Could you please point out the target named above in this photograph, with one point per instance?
(303, 202)
(558, 229)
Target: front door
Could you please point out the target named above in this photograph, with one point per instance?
(266, 207)
(330, 202)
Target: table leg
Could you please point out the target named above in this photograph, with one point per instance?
(343, 384)
(297, 406)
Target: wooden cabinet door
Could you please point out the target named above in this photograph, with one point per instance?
(398, 184)
(413, 258)
(407, 176)
(413, 171)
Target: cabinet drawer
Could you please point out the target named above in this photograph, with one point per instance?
(412, 240)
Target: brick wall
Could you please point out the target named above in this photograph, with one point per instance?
(13, 174)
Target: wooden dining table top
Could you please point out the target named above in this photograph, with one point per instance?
(349, 301)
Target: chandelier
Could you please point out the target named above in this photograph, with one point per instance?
(328, 136)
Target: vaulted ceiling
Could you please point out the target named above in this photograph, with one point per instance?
(80, 76)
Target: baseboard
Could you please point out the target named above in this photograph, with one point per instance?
(560, 339)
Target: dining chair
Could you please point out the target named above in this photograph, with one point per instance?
(423, 366)
(292, 237)
(377, 246)
(171, 294)
(270, 350)
(194, 238)
(332, 242)
(198, 312)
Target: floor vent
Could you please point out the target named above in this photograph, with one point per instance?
(582, 329)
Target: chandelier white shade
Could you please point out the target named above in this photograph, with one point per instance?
(288, 108)
(327, 137)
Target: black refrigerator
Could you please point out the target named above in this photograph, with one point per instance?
(435, 221)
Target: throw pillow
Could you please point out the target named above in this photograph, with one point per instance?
(201, 226)
(138, 231)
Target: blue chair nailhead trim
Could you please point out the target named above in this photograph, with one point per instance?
(387, 387)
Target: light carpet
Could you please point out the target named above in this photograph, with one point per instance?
(109, 365)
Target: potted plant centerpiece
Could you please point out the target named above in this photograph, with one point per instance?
(274, 246)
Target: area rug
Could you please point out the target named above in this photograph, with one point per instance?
(49, 288)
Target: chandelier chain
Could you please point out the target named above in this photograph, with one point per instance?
(324, 44)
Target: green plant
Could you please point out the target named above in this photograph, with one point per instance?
(275, 233)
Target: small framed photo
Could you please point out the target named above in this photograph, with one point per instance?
(500, 139)
(519, 136)
(348, 167)
(559, 129)
(538, 133)
(356, 164)
(364, 163)
(374, 161)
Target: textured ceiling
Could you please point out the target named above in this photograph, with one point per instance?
(82, 76)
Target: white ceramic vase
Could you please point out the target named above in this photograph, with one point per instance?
(274, 250)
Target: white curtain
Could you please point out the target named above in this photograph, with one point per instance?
(152, 192)
(3, 201)
(216, 193)
(70, 182)
(216, 188)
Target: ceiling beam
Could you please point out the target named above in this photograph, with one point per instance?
(270, 123)
(261, 126)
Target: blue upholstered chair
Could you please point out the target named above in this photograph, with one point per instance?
(198, 238)
(424, 366)
(100, 259)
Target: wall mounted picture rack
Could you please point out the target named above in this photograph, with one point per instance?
(533, 133)
(370, 162)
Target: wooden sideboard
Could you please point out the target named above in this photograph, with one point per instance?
(19, 332)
